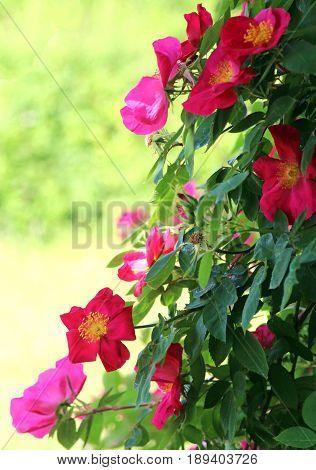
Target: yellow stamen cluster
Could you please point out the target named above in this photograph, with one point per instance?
(224, 73)
(166, 387)
(259, 35)
(93, 327)
(289, 174)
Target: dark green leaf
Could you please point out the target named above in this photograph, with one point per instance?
(228, 185)
(265, 247)
(308, 153)
(309, 411)
(283, 386)
(297, 437)
(215, 313)
(279, 108)
(228, 415)
(215, 393)
(300, 57)
(282, 261)
(250, 353)
(247, 122)
(188, 259)
(195, 339)
(252, 302)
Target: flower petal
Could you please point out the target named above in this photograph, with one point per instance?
(121, 327)
(113, 354)
(79, 349)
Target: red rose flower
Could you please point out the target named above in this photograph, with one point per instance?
(99, 329)
(215, 88)
(265, 336)
(247, 36)
(167, 377)
(285, 187)
(197, 24)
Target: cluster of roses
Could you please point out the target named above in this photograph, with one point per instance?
(285, 187)
(99, 328)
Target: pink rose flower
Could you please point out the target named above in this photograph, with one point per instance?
(137, 263)
(99, 329)
(35, 411)
(146, 109)
(129, 220)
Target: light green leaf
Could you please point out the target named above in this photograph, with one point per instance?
(161, 270)
(297, 437)
(252, 302)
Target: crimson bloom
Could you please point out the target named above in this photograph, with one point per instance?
(35, 411)
(247, 36)
(99, 329)
(245, 445)
(265, 336)
(146, 109)
(215, 88)
(137, 263)
(285, 187)
(167, 377)
(197, 24)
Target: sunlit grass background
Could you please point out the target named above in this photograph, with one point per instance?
(96, 50)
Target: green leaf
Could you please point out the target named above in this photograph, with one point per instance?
(144, 304)
(228, 185)
(67, 433)
(290, 281)
(192, 434)
(300, 57)
(139, 437)
(215, 312)
(161, 270)
(283, 386)
(265, 247)
(309, 253)
(215, 393)
(252, 302)
(279, 108)
(312, 328)
(282, 261)
(194, 340)
(247, 122)
(117, 260)
(297, 437)
(220, 350)
(250, 353)
(189, 150)
(309, 411)
(205, 269)
(308, 153)
(188, 259)
(228, 415)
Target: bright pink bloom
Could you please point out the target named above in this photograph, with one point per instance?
(285, 187)
(190, 188)
(167, 377)
(137, 263)
(247, 36)
(129, 220)
(245, 445)
(99, 329)
(35, 412)
(215, 88)
(265, 336)
(146, 109)
(197, 24)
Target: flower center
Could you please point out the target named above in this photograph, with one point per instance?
(93, 327)
(224, 73)
(259, 35)
(289, 174)
(166, 387)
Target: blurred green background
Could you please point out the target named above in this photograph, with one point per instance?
(96, 50)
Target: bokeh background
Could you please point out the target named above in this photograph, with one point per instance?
(58, 59)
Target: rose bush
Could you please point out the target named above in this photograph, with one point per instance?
(231, 264)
